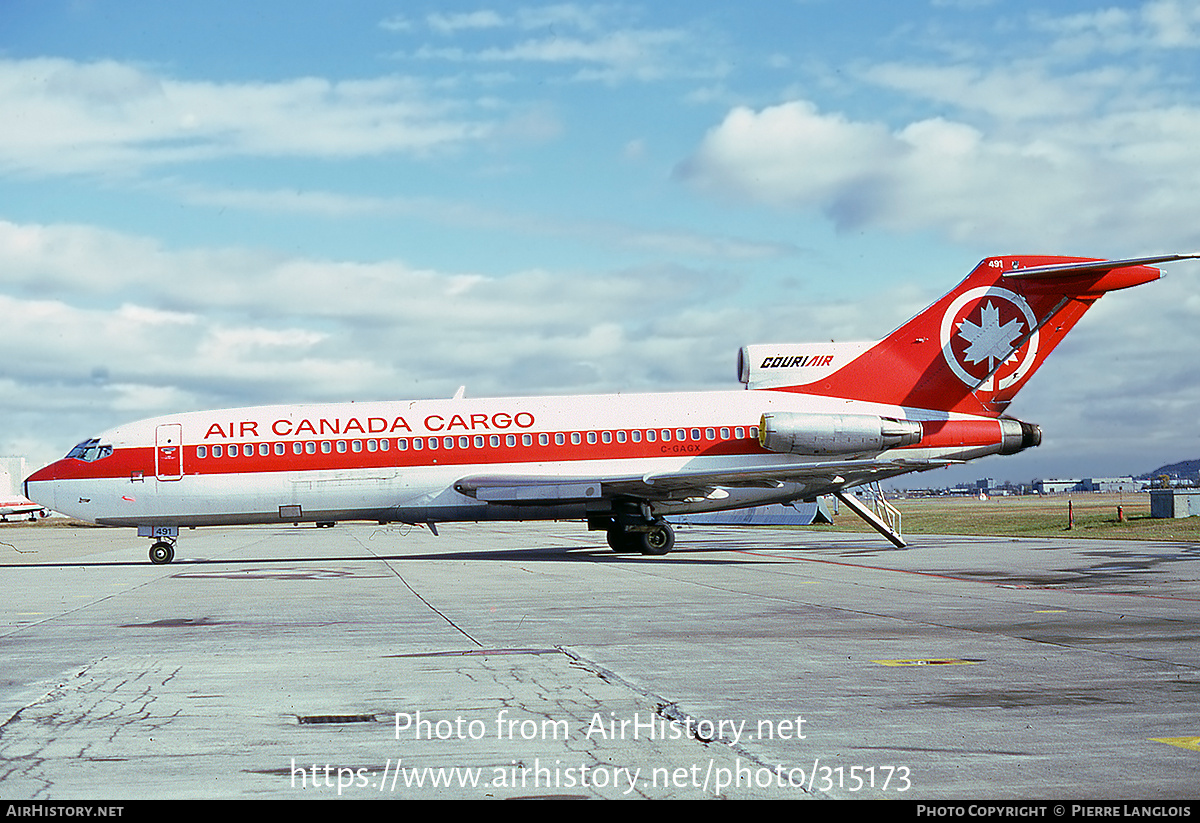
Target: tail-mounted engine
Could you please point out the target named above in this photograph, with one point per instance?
(1018, 435)
(820, 434)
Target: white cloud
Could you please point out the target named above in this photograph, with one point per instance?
(561, 16)
(112, 117)
(1128, 177)
(659, 241)
(598, 42)
(253, 316)
(1160, 24)
(622, 55)
(396, 23)
(1041, 141)
(451, 23)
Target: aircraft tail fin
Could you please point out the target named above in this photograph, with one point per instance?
(971, 351)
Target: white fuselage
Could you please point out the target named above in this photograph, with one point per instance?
(401, 461)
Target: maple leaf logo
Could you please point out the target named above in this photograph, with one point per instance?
(990, 341)
(989, 338)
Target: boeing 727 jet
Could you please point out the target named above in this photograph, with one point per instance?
(810, 420)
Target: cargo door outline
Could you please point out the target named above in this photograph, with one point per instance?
(168, 451)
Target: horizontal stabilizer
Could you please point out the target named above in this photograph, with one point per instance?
(1092, 267)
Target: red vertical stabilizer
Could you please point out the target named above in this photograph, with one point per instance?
(975, 348)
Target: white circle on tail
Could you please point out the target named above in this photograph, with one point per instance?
(985, 338)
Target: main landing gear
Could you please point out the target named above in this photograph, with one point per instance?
(658, 538)
(635, 531)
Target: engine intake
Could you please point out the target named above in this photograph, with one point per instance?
(818, 434)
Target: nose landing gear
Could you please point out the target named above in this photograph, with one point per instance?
(162, 552)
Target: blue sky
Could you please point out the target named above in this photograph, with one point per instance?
(218, 204)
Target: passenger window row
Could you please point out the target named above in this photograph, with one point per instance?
(478, 441)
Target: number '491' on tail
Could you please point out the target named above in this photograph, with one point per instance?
(971, 351)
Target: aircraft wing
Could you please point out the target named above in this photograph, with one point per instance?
(817, 478)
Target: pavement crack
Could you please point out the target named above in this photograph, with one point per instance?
(418, 595)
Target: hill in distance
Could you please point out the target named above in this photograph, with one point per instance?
(1178, 471)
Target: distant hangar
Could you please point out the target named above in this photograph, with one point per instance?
(1088, 484)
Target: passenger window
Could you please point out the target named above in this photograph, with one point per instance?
(202, 451)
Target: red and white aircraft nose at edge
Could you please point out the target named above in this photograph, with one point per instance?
(812, 419)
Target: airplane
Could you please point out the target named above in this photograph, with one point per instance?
(809, 420)
(13, 505)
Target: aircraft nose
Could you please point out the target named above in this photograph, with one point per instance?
(39, 488)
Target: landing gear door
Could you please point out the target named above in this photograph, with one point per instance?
(168, 451)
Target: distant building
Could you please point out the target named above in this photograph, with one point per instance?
(984, 484)
(1111, 484)
(12, 472)
(1088, 484)
(1057, 486)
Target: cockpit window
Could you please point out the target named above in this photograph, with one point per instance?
(90, 451)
